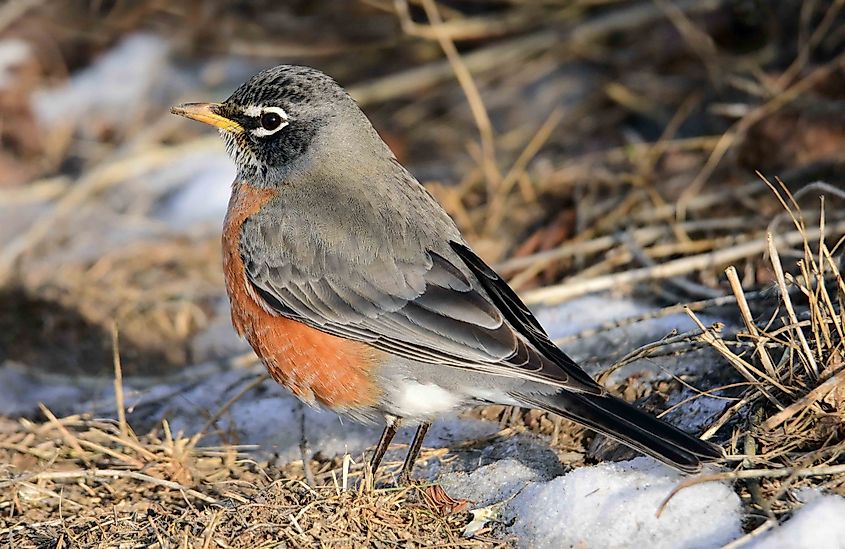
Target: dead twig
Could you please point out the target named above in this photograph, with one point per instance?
(819, 471)
(833, 383)
(476, 104)
(91, 474)
(573, 288)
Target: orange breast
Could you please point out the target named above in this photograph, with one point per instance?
(314, 365)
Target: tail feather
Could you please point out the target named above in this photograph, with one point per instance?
(627, 424)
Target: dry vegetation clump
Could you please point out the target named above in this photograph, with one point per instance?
(81, 482)
(788, 425)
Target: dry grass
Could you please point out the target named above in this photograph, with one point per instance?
(788, 425)
(84, 482)
(80, 482)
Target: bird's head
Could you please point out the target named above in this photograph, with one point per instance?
(272, 122)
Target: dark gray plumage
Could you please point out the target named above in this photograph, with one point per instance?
(350, 244)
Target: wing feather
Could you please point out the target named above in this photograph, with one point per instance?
(444, 307)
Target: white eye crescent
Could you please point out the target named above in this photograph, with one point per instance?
(270, 119)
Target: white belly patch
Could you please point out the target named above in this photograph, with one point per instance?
(424, 400)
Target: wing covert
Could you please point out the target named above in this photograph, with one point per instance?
(441, 307)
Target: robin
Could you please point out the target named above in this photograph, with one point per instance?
(358, 292)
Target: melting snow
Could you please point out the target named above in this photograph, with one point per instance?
(817, 525)
(13, 52)
(490, 484)
(203, 181)
(112, 90)
(611, 505)
(615, 505)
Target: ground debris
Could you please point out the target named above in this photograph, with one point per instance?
(78, 482)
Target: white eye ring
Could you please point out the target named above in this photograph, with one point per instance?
(260, 112)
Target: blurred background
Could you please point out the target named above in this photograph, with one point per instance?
(536, 123)
(609, 157)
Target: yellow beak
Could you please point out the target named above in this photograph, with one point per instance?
(207, 113)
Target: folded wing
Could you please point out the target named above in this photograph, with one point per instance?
(442, 307)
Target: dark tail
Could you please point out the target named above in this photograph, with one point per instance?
(619, 420)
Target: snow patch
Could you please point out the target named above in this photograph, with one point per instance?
(111, 91)
(817, 525)
(203, 183)
(614, 505)
(579, 314)
(490, 484)
(594, 311)
(13, 52)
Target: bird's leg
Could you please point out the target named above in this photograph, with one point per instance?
(384, 441)
(413, 452)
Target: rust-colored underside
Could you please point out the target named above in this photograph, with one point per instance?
(315, 366)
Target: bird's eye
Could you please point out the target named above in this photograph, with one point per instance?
(270, 121)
